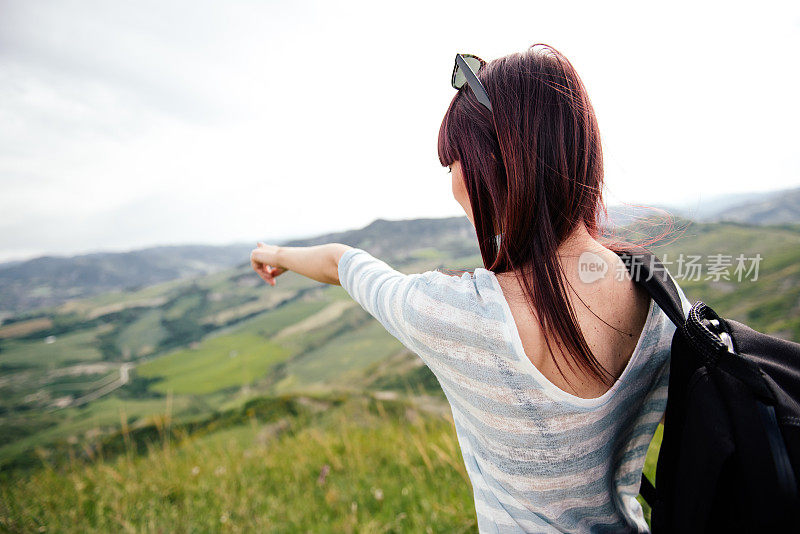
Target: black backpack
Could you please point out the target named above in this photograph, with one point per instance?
(730, 454)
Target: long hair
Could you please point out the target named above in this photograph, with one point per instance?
(533, 170)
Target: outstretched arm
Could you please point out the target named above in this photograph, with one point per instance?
(319, 262)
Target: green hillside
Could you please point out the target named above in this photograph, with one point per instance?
(767, 300)
(194, 368)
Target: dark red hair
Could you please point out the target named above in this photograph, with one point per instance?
(533, 171)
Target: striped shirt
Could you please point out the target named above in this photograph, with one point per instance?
(539, 459)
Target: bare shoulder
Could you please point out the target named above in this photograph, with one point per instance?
(611, 311)
(616, 294)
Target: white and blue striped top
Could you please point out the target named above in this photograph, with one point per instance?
(539, 458)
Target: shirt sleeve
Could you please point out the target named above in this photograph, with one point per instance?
(400, 302)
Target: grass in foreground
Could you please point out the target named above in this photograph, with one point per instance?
(364, 466)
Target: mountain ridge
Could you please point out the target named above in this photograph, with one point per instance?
(51, 280)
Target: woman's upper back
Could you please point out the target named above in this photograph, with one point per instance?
(611, 311)
(539, 458)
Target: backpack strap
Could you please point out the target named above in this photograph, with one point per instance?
(648, 271)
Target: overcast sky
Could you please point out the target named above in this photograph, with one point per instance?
(130, 124)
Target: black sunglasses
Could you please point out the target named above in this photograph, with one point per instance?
(467, 65)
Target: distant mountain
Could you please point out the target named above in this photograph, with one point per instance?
(770, 208)
(782, 207)
(393, 240)
(707, 208)
(52, 280)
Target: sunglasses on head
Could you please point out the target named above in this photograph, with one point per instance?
(464, 71)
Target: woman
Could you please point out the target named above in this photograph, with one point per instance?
(556, 380)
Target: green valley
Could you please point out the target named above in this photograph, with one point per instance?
(218, 402)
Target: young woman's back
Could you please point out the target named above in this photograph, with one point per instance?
(540, 459)
(617, 300)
